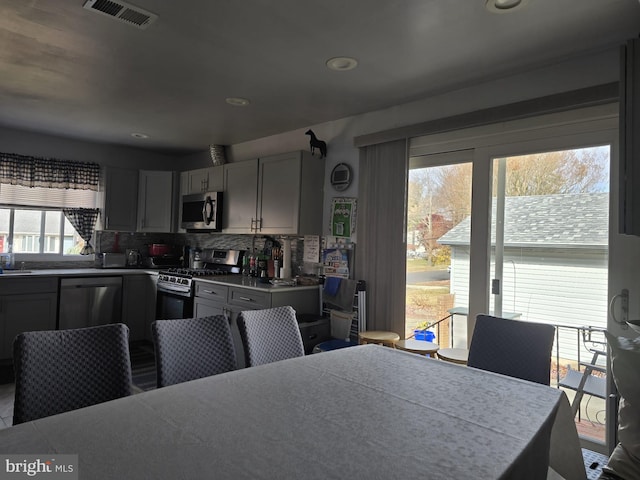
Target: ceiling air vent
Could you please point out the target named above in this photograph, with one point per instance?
(123, 11)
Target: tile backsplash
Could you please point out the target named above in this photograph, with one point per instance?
(107, 241)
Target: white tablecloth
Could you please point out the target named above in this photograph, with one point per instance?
(362, 412)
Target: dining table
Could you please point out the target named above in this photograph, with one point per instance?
(368, 411)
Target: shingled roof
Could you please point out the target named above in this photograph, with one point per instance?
(571, 220)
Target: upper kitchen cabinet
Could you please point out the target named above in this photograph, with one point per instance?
(276, 195)
(155, 201)
(240, 197)
(204, 180)
(290, 193)
(120, 199)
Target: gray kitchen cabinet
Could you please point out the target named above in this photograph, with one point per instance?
(249, 299)
(277, 195)
(210, 299)
(225, 298)
(303, 300)
(203, 307)
(26, 305)
(218, 299)
(204, 180)
(155, 201)
(240, 197)
(139, 304)
(290, 194)
(120, 199)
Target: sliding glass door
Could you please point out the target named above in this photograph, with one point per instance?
(518, 215)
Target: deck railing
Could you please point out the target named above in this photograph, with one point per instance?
(575, 347)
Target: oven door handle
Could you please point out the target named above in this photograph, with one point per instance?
(181, 293)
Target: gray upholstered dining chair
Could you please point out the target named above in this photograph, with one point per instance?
(512, 347)
(192, 348)
(270, 335)
(61, 370)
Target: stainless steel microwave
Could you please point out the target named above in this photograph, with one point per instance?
(202, 211)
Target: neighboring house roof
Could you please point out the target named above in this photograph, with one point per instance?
(571, 220)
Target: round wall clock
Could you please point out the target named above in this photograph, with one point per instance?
(341, 177)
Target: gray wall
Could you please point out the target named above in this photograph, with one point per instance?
(48, 146)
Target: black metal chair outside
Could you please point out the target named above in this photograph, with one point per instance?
(515, 348)
(592, 379)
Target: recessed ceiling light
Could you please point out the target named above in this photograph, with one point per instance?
(341, 64)
(139, 135)
(503, 6)
(237, 101)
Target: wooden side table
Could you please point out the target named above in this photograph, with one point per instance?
(454, 355)
(378, 336)
(417, 346)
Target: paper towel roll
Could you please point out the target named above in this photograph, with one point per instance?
(285, 271)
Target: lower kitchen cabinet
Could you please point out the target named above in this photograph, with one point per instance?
(139, 304)
(207, 308)
(216, 299)
(22, 310)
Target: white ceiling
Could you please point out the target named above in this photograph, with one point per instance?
(68, 71)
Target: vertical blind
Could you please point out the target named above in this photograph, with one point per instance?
(381, 251)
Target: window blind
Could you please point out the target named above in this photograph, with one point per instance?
(44, 198)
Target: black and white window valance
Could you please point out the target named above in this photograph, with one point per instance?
(48, 172)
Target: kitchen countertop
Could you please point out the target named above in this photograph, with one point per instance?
(228, 280)
(252, 283)
(76, 272)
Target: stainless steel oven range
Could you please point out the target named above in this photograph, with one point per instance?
(175, 290)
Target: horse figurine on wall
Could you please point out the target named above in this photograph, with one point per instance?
(315, 143)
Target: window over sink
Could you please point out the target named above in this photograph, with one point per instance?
(33, 226)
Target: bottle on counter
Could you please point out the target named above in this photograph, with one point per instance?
(253, 272)
(9, 259)
(262, 266)
(245, 265)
